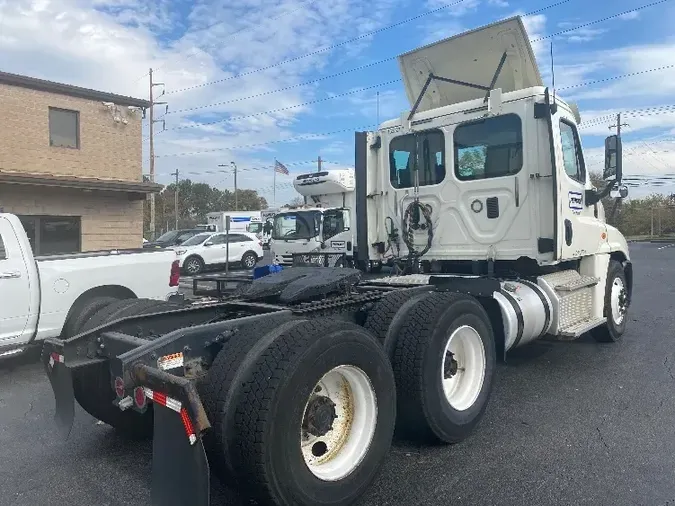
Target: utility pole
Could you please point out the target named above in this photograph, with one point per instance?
(236, 196)
(175, 198)
(152, 148)
(618, 125)
(318, 163)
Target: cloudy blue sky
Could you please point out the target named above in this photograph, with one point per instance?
(241, 76)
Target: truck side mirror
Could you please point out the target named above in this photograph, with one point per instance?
(613, 158)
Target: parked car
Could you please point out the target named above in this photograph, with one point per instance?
(209, 249)
(51, 296)
(173, 238)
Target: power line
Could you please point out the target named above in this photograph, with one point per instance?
(647, 111)
(339, 44)
(289, 139)
(288, 108)
(262, 168)
(590, 23)
(236, 118)
(622, 76)
(385, 60)
(633, 112)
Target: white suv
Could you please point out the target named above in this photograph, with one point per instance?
(209, 249)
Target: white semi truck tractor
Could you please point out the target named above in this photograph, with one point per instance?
(324, 225)
(291, 388)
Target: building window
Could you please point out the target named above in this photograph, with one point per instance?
(424, 151)
(488, 148)
(64, 128)
(53, 235)
(571, 148)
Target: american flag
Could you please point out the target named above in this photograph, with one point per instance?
(280, 167)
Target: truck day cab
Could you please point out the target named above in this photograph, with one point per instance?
(322, 226)
(51, 296)
(481, 194)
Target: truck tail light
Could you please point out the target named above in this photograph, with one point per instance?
(174, 278)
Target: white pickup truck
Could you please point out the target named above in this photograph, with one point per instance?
(53, 296)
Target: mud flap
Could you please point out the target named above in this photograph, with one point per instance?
(61, 379)
(180, 470)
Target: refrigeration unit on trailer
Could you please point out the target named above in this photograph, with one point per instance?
(324, 224)
(291, 388)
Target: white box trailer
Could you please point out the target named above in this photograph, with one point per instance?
(240, 221)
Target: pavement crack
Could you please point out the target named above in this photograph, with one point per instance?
(29, 410)
(669, 368)
(602, 438)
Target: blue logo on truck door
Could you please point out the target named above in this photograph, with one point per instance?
(240, 219)
(576, 201)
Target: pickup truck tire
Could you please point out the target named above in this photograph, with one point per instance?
(389, 313)
(77, 320)
(249, 260)
(327, 383)
(193, 265)
(92, 384)
(222, 384)
(444, 364)
(615, 305)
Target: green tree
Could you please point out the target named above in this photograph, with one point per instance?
(195, 201)
(472, 161)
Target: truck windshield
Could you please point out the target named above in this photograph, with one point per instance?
(255, 228)
(296, 225)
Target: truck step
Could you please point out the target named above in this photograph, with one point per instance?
(576, 284)
(579, 328)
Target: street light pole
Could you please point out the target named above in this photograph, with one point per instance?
(236, 198)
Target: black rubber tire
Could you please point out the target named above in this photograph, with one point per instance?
(92, 384)
(80, 316)
(611, 332)
(386, 318)
(249, 255)
(198, 262)
(270, 405)
(103, 315)
(423, 412)
(222, 383)
(93, 391)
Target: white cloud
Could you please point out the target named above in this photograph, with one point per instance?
(111, 44)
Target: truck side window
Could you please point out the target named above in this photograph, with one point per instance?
(487, 148)
(3, 253)
(424, 150)
(572, 159)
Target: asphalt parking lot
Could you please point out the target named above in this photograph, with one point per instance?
(568, 423)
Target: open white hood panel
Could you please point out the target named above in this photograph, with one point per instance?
(471, 57)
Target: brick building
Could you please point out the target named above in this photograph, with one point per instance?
(71, 165)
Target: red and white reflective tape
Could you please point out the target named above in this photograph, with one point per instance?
(177, 406)
(55, 357)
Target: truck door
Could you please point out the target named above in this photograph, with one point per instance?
(489, 167)
(579, 231)
(472, 176)
(15, 300)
